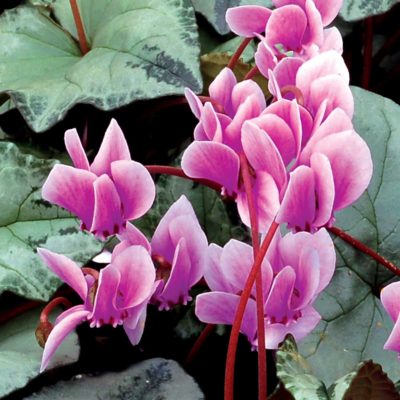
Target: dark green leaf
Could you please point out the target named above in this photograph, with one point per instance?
(20, 355)
(359, 9)
(355, 326)
(140, 49)
(28, 222)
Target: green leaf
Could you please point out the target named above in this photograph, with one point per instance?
(367, 382)
(20, 355)
(27, 222)
(214, 11)
(358, 9)
(209, 208)
(140, 49)
(354, 324)
(230, 46)
(296, 375)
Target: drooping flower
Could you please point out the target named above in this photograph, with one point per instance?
(105, 194)
(178, 249)
(390, 298)
(119, 295)
(295, 270)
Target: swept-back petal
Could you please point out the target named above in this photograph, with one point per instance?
(351, 174)
(59, 332)
(214, 161)
(262, 152)
(66, 270)
(247, 20)
(135, 187)
(265, 59)
(104, 309)
(75, 150)
(214, 273)
(390, 298)
(286, 27)
(220, 308)
(135, 332)
(221, 87)
(113, 148)
(332, 40)
(314, 34)
(194, 102)
(137, 276)
(298, 205)
(134, 237)
(107, 217)
(211, 123)
(285, 72)
(72, 189)
(393, 342)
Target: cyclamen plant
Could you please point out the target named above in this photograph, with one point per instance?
(292, 160)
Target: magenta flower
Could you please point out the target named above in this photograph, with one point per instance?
(178, 249)
(295, 270)
(118, 297)
(105, 194)
(390, 297)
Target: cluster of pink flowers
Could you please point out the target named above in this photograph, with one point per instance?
(306, 162)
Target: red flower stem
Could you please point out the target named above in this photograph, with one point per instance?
(83, 44)
(294, 90)
(233, 340)
(44, 315)
(209, 328)
(262, 354)
(368, 39)
(175, 171)
(235, 57)
(218, 107)
(365, 249)
(252, 73)
(14, 312)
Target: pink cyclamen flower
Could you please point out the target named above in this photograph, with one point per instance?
(178, 249)
(294, 28)
(390, 298)
(118, 297)
(105, 194)
(295, 270)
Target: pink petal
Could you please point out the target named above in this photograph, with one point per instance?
(393, 342)
(66, 270)
(247, 20)
(286, 27)
(214, 273)
(351, 174)
(245, 89)
(324, 188)
(314, 34)
(176, 289)
(137, 276)
(135, 187)
(211, 124)
(266, 196)
(220, 308)
(329, 9)
(134, 236)
(265, 59)
(113, 148)
(213, 161)
(261, 151)
(298, 205)
(194, 102)
(276, 333)
(75, 149)
(107, 219)
(332, 40)
(221, 87)
(135, 333)
(390, 298)
(71, 189)
(104, 309)
(58, 334)
(285, 72)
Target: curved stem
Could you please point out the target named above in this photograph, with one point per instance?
(253, 72)
(176, 171)
(365, 249)
(233, 340)
(262, 354)
(235, 57)
(83, 44)
(199, 343)
(44, 315)
(296, 91)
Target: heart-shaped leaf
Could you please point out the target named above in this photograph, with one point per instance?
(140, 49)
(27, 222)
(354, 324)
(358, 9)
